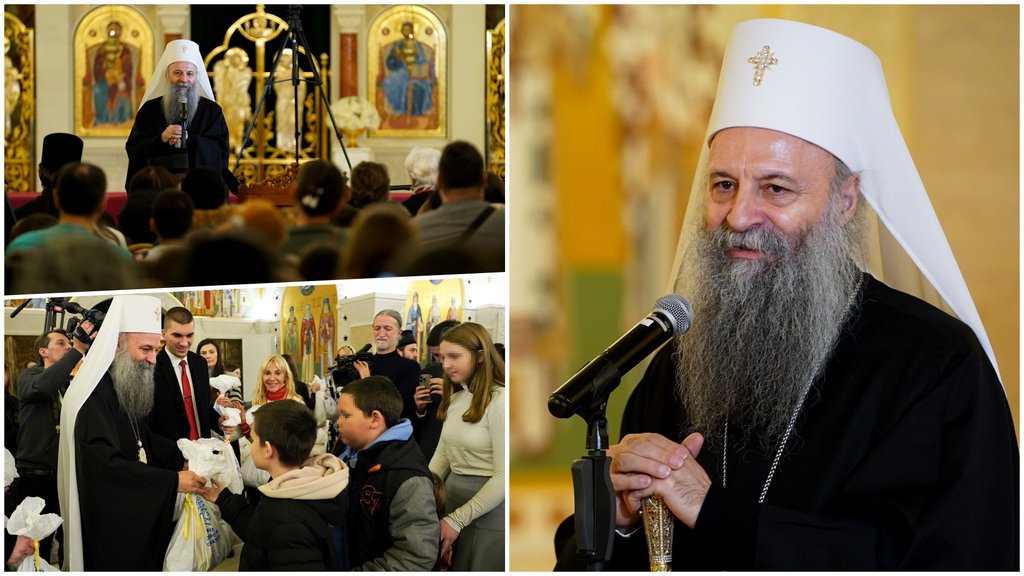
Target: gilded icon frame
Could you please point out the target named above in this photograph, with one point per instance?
(430, 67)
(136, 42)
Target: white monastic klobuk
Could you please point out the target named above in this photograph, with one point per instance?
(830, 90)
(127, 313)
(178, 51)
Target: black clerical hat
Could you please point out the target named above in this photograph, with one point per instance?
(59, 149)
(406, 338)
(175, 162)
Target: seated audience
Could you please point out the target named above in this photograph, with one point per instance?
(138, 208)
(370, 184)
(464, 217)
(36, 221)
(319, 193)
(421, 164)
(380, 238)
(69, 261)
(262, 219)
(206, 187)
(171, 220)
(318, 262)
(59, 149)
(81, 196)
(209, 193)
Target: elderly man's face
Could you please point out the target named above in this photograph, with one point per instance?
(142, 346)
(182, 72)
(762, 178)
(385, 333)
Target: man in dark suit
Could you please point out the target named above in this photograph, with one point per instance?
(182, 407)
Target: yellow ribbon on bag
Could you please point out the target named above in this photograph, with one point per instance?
(190, 506)
(36, 542)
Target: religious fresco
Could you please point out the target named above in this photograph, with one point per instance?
(309, 328)
(226, 303)
(19, 105)
(407, 67)
(113, 62)
(428, 303)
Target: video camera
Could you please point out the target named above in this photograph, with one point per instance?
(343, 362)
(94, 315)
(343, 371)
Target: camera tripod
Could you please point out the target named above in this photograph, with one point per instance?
(294, 39)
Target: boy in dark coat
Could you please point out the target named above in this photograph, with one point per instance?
(392, 519)
(290, 527)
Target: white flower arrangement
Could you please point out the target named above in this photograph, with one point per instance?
(355, 113)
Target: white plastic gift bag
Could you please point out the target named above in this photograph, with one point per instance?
(28, 520)
(201, 539)
(225, 382)
(212, 458)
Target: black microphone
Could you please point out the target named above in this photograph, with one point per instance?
(365, 349)
(595, 382)
(183, 116)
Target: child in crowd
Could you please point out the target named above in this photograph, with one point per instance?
(290, 527)
(471, 453)
(392, 518)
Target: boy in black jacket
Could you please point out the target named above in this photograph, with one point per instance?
(290, 527)
(392, 520)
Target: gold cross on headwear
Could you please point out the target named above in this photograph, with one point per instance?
(762, 61)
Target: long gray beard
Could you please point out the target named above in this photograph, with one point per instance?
(762, 331)
(133, 382)
(172, 111)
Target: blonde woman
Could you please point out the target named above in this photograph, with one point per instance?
(275, 382)
(470, 456)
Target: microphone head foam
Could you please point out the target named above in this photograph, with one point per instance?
(678, 310)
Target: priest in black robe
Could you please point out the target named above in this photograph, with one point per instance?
(180, 125)
(814, 418)
(118, 481)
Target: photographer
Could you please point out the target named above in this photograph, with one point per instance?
(40, 390)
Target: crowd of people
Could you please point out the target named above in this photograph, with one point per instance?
(185, 231)
(386, 465)
(179, 227)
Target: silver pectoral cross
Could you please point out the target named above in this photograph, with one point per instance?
(142, 452)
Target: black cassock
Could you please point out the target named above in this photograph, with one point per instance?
(904, 457)
(126, 506)
(207, 140)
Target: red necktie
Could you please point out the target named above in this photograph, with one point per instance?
(186, 393)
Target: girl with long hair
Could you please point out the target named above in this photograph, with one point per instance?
(470, 456)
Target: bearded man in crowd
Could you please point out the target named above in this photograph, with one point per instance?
(117, 480)
(180, 125)
(814, 418)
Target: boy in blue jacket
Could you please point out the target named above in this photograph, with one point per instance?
(392, 519)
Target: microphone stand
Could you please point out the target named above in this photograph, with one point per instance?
(294, 39)
(594, 498)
